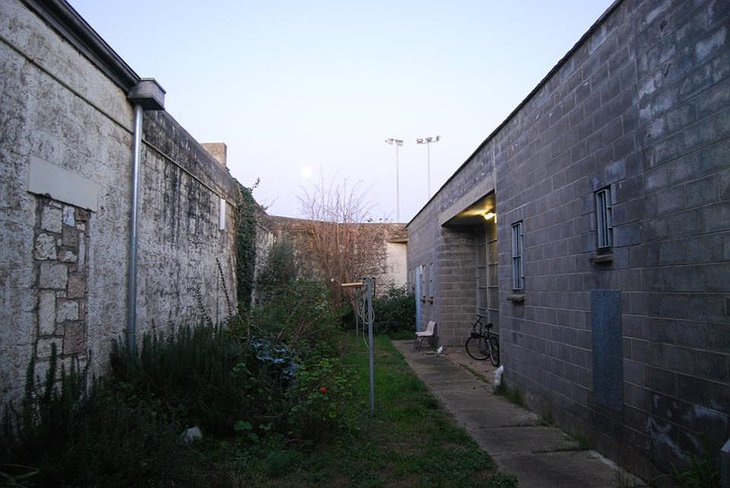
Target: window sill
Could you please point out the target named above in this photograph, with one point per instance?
(602, 258)
(516, 298)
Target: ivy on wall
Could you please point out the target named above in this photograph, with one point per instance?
(245, 245)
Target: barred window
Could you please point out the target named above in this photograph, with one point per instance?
(423, 282)
(430, 281)
(604, 218)
(518, 274)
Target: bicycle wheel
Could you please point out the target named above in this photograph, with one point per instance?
(494, 350)
(477, 348)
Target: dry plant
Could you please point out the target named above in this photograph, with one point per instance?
(342, 243)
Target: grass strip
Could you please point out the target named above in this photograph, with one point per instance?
(409, 442)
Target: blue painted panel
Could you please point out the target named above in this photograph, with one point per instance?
(608, 371)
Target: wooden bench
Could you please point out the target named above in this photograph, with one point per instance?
(429, 333)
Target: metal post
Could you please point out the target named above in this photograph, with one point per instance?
(428, 141)
(397, 187)
(357, 314)
(369, 287)
(396, 142)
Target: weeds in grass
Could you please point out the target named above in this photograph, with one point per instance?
(547, 419)
(222, 381)
(625, 480)
(512, 394)
(584, 443)
(501, 480)
(702, 472)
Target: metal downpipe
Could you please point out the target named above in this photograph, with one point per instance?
(132, 264)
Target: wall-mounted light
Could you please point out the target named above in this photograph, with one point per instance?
(489, 215)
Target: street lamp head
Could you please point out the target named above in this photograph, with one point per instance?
(427, 140)
(392, 140)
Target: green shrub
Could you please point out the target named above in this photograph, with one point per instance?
(66, 436)
(299, 312)
(203, 376)
(395, 311)
(187, 376)
(502, 480)
(321, 397)
(245, 244)
(280, 271)
(277, 375)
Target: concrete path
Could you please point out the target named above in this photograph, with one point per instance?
(540, 456)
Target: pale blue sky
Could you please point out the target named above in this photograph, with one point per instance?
(319, 85)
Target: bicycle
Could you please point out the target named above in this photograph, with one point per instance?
(481, 344)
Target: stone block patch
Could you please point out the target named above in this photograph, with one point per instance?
(59, 252)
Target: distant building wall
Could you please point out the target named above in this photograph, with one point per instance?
(67, 131)
(625, 345)
(395, 269)
(393, 241)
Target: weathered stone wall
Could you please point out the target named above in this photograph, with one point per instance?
(180, 243)
(63, 263)
(641, 106)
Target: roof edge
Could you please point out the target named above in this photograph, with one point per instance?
(529, 97)
(67, 22)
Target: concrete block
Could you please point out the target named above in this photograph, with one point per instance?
(712, 43)
(53, 276)
(45, 345)
(68, 257)
(74, 338)
(76, 285)
(45, 247)
(70, 236)
(703, 191)
(51, 219)
(46, 312)
(81, 258)
(67, 310)
(69, 216)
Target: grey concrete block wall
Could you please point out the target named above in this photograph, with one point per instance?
(63, 266)
(640, 106)
(424, 241)
(679, 348)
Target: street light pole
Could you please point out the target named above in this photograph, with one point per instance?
(397, 143)
(427, 141)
